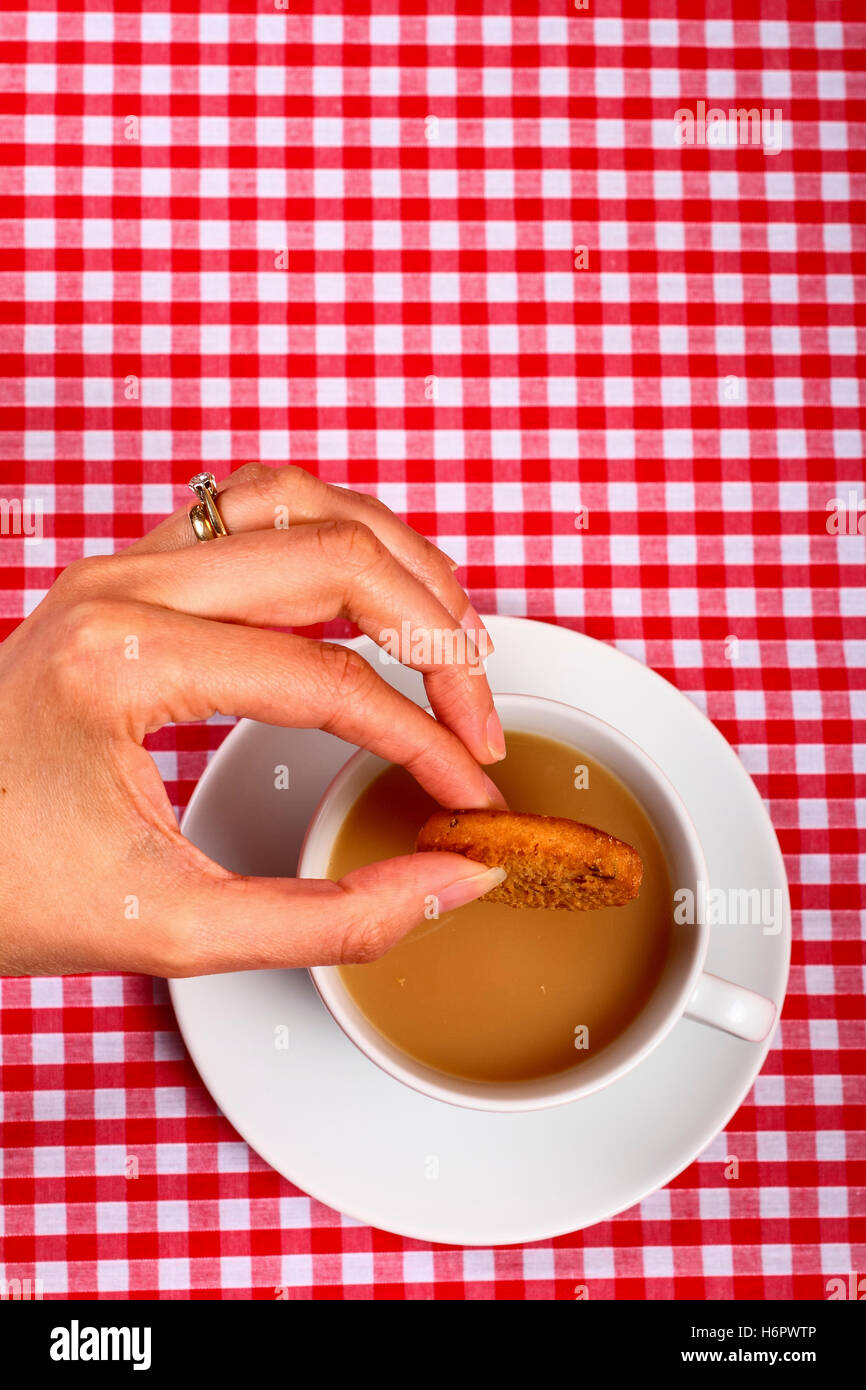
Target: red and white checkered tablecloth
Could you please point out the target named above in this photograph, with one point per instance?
(351, 236)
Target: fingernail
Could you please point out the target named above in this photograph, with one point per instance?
(471, 623)
(495, 796)
(495, 737)
(466, 890)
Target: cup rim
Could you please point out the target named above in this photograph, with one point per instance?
(493, 1096)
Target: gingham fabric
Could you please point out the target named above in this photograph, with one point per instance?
(455, 255)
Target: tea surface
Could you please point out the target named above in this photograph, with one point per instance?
(495, 993)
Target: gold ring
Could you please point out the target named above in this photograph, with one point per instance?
(205, 517)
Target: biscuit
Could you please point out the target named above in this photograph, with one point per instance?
(551, 862)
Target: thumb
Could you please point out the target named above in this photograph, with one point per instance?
(239, 923)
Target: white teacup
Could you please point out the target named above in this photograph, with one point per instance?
(684, 989)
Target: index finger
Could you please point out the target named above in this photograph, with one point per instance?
(256, 497)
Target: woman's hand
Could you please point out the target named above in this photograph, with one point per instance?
(169, 630)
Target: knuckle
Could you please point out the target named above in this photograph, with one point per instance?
(347, 674)
(252, 472)
(275, 486)
(179, 956)
(292, 475)
(364, 940)
(370, 500)
(259, 479)
(85, 576)
(82, 640)
(436, 757)
(85, 627)
(189, 943)
(443, 571)
(351, 545)
(179, 949)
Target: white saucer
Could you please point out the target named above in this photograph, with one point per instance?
(334, 1124)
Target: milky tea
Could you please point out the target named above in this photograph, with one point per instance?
(495, 993)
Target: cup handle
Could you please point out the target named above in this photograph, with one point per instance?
(731, 1007)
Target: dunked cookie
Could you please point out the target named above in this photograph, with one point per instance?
(550, 861)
